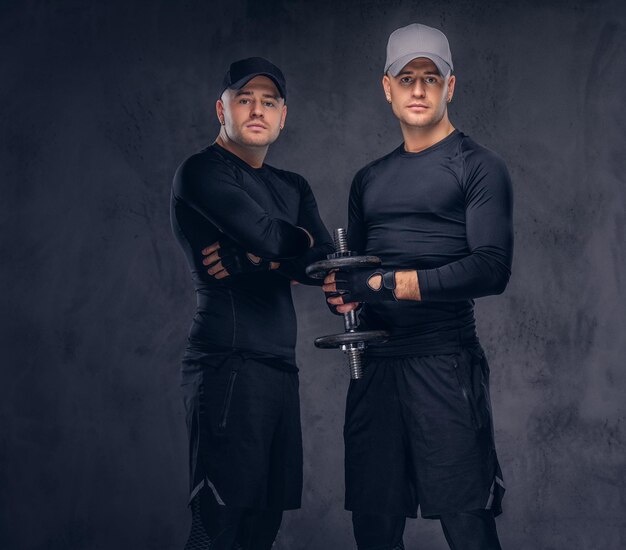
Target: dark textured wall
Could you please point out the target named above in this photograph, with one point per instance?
(100, 101)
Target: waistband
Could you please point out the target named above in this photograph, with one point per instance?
(437, 342)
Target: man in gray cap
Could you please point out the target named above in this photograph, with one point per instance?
(247, 230)
(437, 210)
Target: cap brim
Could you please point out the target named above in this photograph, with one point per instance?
(243, 81)
(397, 66)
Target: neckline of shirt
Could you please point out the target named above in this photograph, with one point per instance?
(454, 134)
(262, 169)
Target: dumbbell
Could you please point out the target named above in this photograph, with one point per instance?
(351, 342)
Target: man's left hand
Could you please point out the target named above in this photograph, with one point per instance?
(360, 285)
(225, 258)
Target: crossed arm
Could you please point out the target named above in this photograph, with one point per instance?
(211, 188)
(255, 240)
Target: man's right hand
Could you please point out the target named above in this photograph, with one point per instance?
(335, 302)
(225, 258)
(336, 306)
(343, 308)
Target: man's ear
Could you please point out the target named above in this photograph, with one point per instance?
(219, 110)
(387, 87)
(451, 84)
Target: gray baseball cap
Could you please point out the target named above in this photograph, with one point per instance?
(416, 40)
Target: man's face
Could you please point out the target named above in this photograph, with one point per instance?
(253, 115)
(419, 94)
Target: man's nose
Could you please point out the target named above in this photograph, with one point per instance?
(418, 89)
(256, 109)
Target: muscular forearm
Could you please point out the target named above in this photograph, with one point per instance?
(476, 275)
(212, 189)
(453, 282)
(407, 286)
(441, 284)
(364, 285)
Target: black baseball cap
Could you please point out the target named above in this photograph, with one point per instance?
(244, 70)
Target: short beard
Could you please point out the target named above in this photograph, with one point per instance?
(239, 139)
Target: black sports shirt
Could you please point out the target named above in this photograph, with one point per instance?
(215, 193)
(446, 212)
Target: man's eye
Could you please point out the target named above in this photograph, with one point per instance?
(406, 80)
(269, 104)
(430, 80)
(244, 101)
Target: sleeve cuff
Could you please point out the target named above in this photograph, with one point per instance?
(424, 283)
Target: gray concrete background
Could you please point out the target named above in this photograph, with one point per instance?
(99, 102)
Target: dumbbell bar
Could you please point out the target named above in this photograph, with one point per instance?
(352, 342)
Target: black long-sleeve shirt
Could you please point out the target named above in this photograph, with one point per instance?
(215, 193)
(447, 213)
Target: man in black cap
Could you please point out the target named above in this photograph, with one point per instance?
(247, 230)
(437, 210)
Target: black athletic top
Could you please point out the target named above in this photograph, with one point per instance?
(215, 193)
(446, 212)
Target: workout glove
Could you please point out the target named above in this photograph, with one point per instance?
(333, 307)
(356, 285)
(235, 260)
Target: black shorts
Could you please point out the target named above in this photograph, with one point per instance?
(245, 442)
(418, 431)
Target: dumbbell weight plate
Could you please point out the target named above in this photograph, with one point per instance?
(320, 269)
(338, 340)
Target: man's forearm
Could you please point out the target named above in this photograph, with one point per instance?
(407, 286)
(295, 269)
